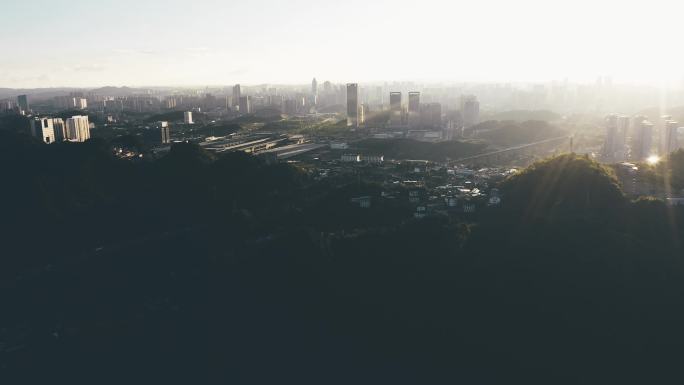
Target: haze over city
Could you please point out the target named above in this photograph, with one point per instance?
(154, 43)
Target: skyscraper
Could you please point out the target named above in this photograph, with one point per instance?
(81, 103)
(395, 101)
(671, 137)
(314, 87)
(245, 105)
(395, 109)
(643, 138)
(620, 151)
(414, 109)
(237, 93)
(22, 102)
(78, 128)
(614, 147)
(431, 115)
(187, 117)
(60, 129)
(414, 101)
(6, 105)
(610, 143)
(164, 132)
(352, 105)
(470, 111)
(42, 129)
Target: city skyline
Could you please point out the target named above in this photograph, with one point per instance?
(213, 43)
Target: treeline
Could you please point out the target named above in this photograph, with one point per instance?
(176, 116)
(510, 133)
(413, 149)
(525, 115)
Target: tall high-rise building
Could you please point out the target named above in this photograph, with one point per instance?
(22, 102)
(314, 87)
(237, 94)
(414, 101)
(470, 111)
(245, 105)
(363, 110)
(614, 147)
(431, 115)
(164, 132)
(671, 137)
(60, 129)
(610, 142)
(623, 126)
(352, 105)
(661, 133)
(42, 129)
(414, 118)
(170, 103)
(6, 105)
(63, 102)
(395, 101)
(642, 139)
(81, 103)
(78, 128)
(187, 117)
(395, 109)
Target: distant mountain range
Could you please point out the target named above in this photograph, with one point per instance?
(48, 93)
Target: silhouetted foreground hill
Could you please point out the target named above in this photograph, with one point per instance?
(197, 269)
(567, 185)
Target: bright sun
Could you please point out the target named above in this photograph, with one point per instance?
(653, 160)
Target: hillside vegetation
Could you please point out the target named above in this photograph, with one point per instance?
(200, 265)
(509, 133)
(413, 149)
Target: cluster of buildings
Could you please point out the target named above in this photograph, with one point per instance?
(20, 105)
(560, 96)
(237, 101)
(637, 139)
(422, 110)
(74, 101)
(416, 115)
(51, 130)
(425, 188)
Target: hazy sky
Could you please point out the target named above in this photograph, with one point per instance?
(211, 42)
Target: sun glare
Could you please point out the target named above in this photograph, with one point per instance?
(653, 160)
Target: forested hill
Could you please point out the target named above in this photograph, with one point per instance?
(198, 269)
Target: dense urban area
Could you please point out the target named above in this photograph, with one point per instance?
(340, 131)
